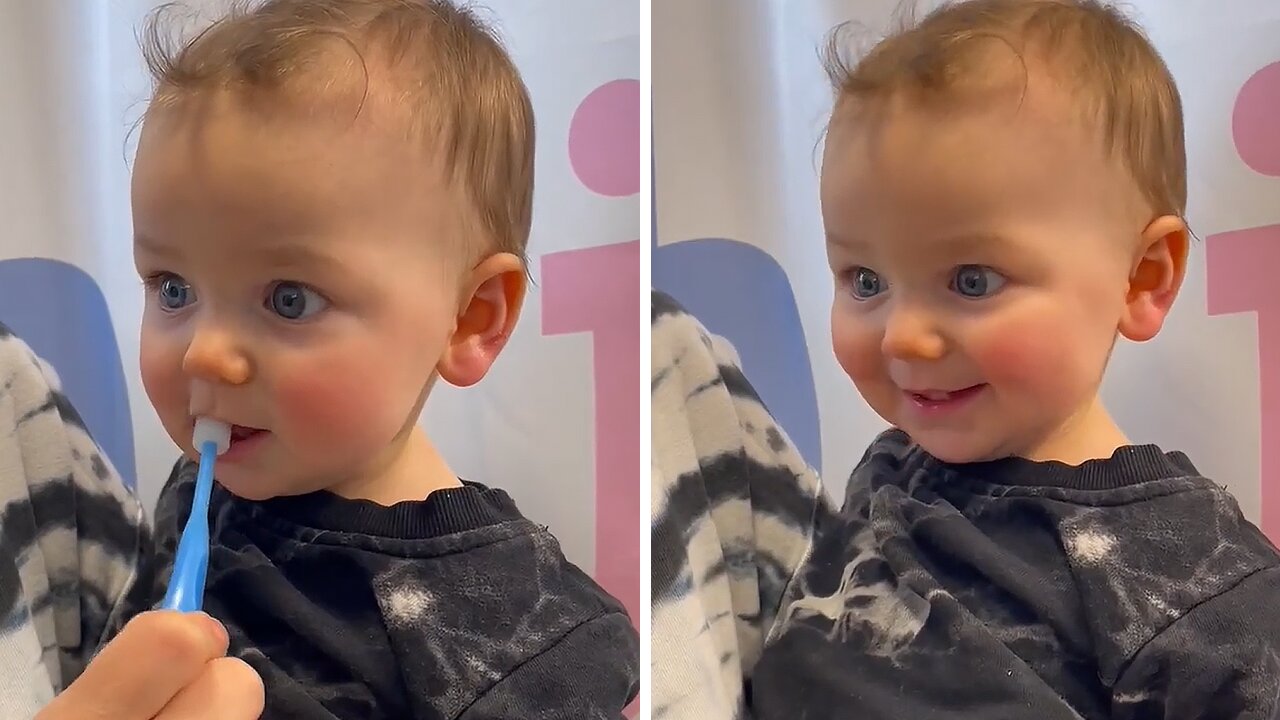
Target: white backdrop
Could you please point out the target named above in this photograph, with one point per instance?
(556, 422)
(739, 103)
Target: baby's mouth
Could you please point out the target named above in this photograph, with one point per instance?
(935, 397)
(242, 432)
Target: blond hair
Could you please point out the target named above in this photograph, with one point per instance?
(458, 86)
(1119, 77)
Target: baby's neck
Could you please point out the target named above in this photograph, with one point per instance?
(412, 471)
(1089, 435)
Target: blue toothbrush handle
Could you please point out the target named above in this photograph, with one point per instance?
(186, 585)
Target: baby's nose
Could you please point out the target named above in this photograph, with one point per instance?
(912, 335)
(214, 356)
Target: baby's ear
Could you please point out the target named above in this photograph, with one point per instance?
(489, 310)
(1158, 270)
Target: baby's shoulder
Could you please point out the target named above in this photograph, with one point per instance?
(1144, 565)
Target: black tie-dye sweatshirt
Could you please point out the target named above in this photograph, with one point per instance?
(452, 607)
(1124, 588)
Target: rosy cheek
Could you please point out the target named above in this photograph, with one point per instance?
(161, 368)
(337, 403)
(160, 365)
(856, 345)
(1033, 357)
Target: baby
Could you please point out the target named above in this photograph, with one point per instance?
(331, 201)
(1003, 188)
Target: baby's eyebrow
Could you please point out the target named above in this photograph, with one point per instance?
(846, 242)
(298, 255)
(979, 241)
(960, 243)
(151, 246)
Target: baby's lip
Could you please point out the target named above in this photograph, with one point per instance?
(936, 394)
(239, 432)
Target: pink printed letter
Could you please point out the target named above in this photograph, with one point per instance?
(597, 290)
(1241, 273)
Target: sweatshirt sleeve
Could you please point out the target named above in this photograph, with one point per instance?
(1220, 661)
(590, 674)
(734, 507)
(74, 540)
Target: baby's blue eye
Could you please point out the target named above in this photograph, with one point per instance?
(174, 293)
(294, 301)
(865, 283)
(976, 281)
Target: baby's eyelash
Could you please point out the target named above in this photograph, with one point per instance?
(153, 280)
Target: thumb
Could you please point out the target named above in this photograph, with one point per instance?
(153, 658)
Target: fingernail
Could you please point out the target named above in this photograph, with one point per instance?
(215, 629)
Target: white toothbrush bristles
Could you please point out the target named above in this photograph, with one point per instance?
(209, 430)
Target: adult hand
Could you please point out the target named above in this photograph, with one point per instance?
(163, 665)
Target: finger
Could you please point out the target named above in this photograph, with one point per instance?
(143, 668)
(228, 689)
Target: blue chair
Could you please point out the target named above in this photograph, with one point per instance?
(741, 293)
(60, 311)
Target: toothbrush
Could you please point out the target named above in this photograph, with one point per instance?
(186, 585)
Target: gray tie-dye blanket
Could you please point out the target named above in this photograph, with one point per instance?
(733, 504)
(72, 538)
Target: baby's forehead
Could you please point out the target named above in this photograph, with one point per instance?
(370, 144)
(289, 168)
(1000, 134)
(1006, 91)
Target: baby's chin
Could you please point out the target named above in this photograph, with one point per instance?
(247, 489)
(957, 447)
(963, 456)
(957, 450)
(256, 486)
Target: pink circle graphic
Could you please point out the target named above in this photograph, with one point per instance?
(604, 139)
(1255, 123)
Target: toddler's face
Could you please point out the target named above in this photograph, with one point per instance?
(981, 254)
(299, 285)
